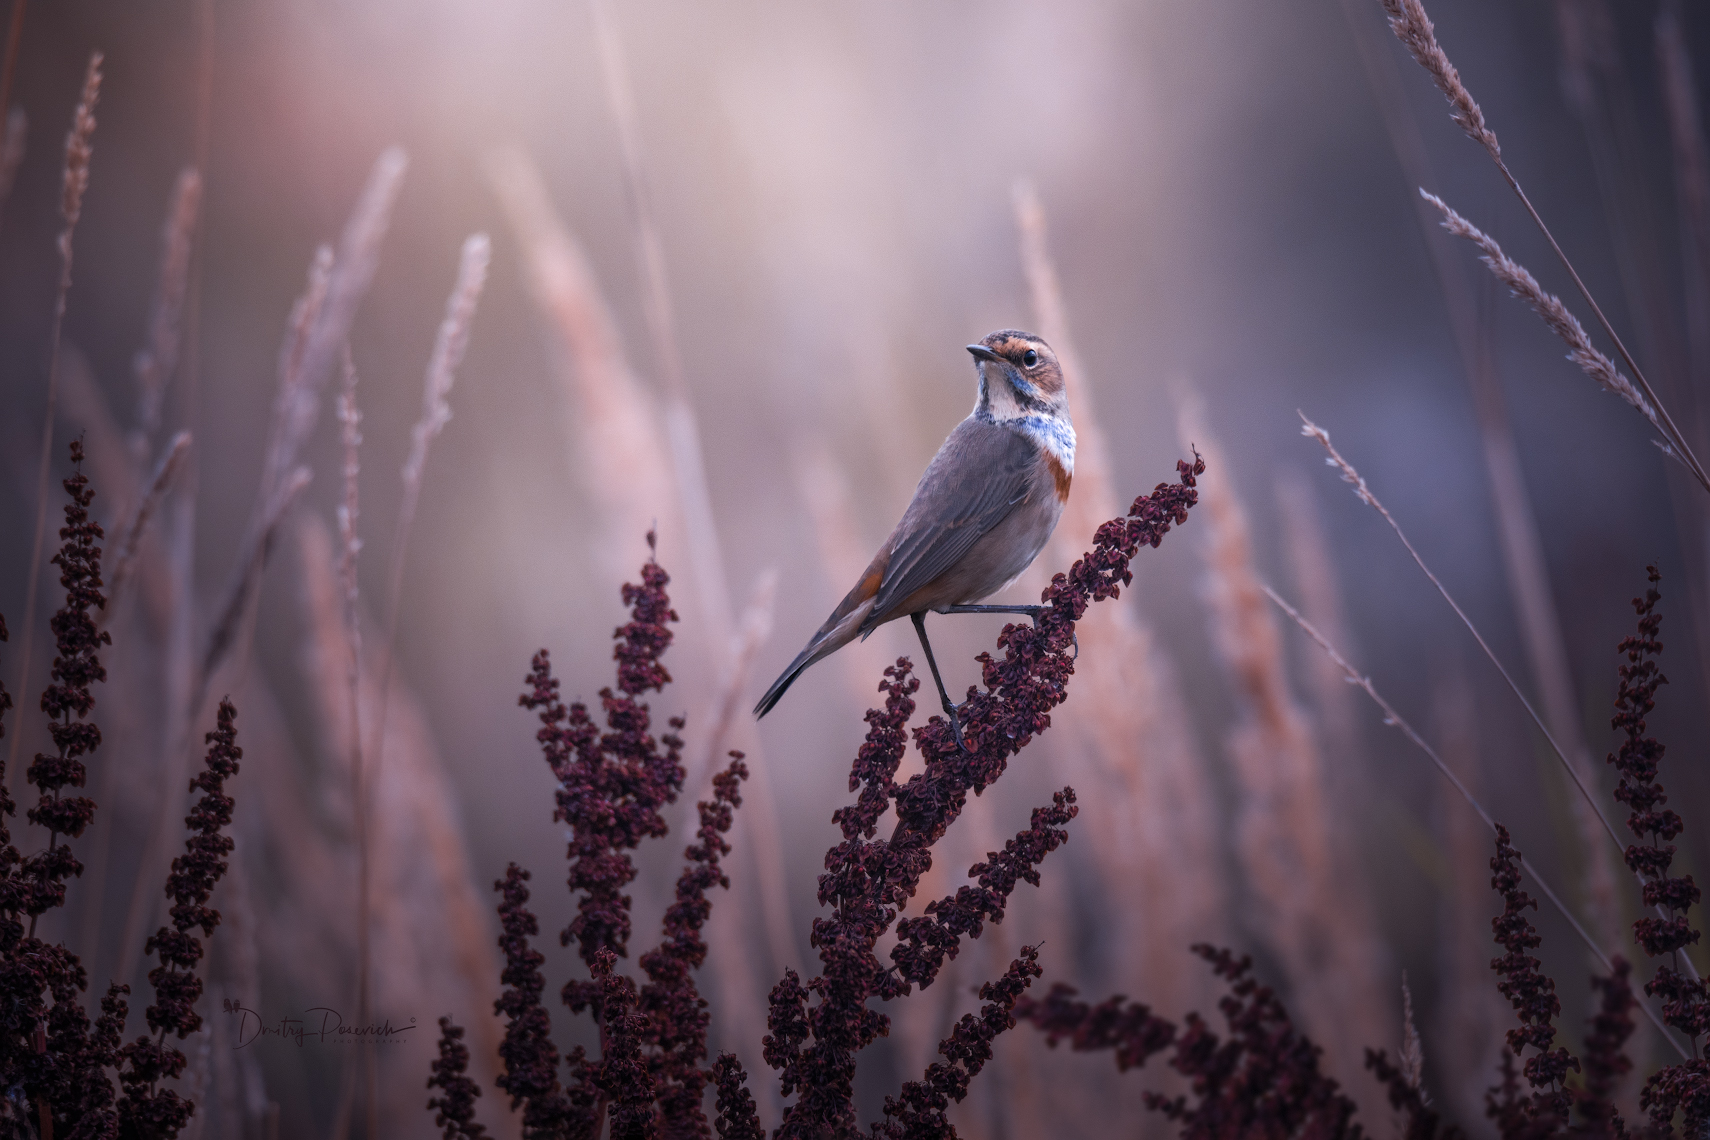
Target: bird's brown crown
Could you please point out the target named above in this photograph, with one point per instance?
(1014, 345)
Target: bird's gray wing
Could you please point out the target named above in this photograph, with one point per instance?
(978, 477)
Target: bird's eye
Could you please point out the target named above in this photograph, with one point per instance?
(1030, 358)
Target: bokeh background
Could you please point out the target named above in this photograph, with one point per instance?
(1227, 195)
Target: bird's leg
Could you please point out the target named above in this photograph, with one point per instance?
(1031, 611)
(919, 620)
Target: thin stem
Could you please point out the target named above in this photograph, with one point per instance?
(1371, 500)
(1677, 440)
(1395, 719)
(1350, 475)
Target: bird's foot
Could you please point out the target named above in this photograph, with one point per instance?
(956, 727)
(1036, 612)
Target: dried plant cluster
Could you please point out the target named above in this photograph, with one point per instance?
(1262, 1077)
(54, 1061)
(648, 1080)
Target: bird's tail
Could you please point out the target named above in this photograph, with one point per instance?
(839, 630)
(787, 678)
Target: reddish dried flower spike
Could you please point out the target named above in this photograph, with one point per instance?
(454, 1106)
(1606, 1060)
(145, 1109)
(818, 1029)
(611, 784)
(531, 1059)
(920, 1110)
(675, 1012)
(67, 701)
(1263, 1080)
(737, 1118)
(1128, 1029)
(612, 787)
(1532, 994)
(925, 942)
(1682, 1089)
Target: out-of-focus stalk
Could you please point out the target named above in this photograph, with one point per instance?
(75, 180)
(428, 924)
(1522, 546)
(1309, 904)
(1471, 1015)
(628, 467)
(1158, 827)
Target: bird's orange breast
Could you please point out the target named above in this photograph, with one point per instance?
(1060, 475)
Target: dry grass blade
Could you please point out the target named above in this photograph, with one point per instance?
(1412, 1050)
(159, 357)
(1315, 576)
(1351, 476)
(650, 251)
(349, 508)
(449, 346)
(751, 634)
(130, 534)
(251, 559)
(305, 311)
(350, 545)
(1412, 26)
(1407, 19)
(78, 149)
(1521, 542)
(681, 429)
(613, 425)
(1395, 719)
(320, 324)
(178, 715)
(353, 269)
(1554, 314)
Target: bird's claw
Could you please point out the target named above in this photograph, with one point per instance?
(1035, 612)
(956, 727)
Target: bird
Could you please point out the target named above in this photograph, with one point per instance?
(983, 510)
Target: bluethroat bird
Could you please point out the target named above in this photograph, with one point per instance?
(982, 512)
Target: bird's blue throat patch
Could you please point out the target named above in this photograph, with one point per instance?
(1055, 435)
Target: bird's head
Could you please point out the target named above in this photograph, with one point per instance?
(1019, 378)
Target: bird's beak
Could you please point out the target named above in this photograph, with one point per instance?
(981, 352)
